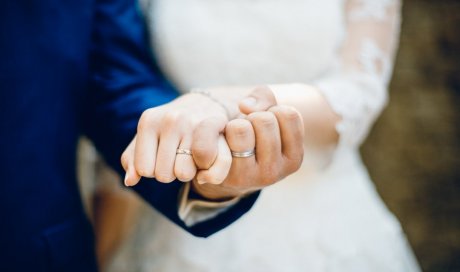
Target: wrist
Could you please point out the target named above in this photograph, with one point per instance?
(217, 101)
(228, 97)
(200, 106)
(318, 117)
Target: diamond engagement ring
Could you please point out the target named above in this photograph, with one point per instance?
(245, 154)
(184, 151)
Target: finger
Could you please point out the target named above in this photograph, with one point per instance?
(166, 156)
(261, 99)
(268, 142)
(205, 141)
(127, 161)
(217, 173)
(291, 131)
(240, 137)
(184, 166)
(146, 145)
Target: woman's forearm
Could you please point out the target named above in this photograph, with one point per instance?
(319, 119)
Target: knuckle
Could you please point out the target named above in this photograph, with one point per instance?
(263, 90)
(298, 164)
(286, 112)
(211, 178)
(144, 168)
(164, 177)
(204, 156)
(209, 126)
(184, 174)
(204, 124)
(208, 122)
(295, 155)
(290, 113)
(173, 117)
(293, 165)
(144, 172)
(147, 120)
(124, 159)
(294, 162)
(275, 109)
(202, 150)
(239, 128)
(264, 119)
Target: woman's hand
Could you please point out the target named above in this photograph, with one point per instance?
(190, 122)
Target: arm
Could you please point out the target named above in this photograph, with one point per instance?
(123, 84)
(340, 107)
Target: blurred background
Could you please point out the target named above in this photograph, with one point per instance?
(413, 152)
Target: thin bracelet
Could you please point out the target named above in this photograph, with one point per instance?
(210, 96)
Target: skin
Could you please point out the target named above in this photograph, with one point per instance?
(198, 123)
(162, 130)
(276, 135)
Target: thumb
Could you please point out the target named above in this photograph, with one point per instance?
(260, 99)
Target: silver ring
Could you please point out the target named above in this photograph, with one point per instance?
(184, 151)
(245, 154)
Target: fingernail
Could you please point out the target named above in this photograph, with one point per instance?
(249, 101)
(201, 182)
(126, 179)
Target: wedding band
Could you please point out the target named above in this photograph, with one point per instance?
(184, 151)
(244, 154)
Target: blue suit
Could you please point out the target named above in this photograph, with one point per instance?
(69, 68)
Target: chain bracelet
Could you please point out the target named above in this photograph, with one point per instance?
(211, 97)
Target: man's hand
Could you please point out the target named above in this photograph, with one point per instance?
(276, 135)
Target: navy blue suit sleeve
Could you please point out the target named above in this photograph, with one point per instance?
(123, 83)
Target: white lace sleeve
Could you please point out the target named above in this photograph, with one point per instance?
(356, 87)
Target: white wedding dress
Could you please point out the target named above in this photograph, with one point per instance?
(330, 219)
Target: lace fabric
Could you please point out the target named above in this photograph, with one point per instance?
(356, 87)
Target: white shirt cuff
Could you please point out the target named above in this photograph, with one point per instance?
(194, 211)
